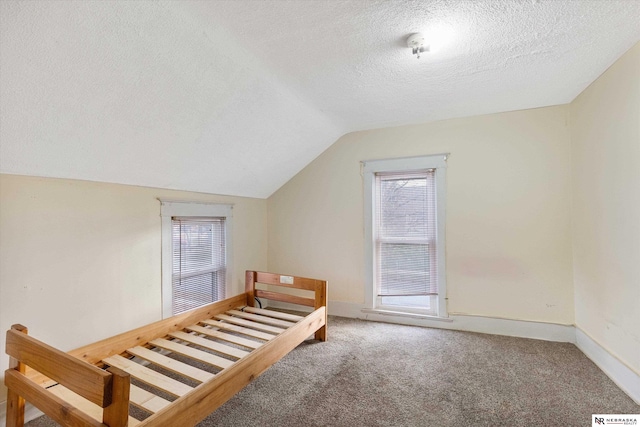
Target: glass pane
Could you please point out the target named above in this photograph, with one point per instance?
(420, 301)
(197, 245)
(403, 208)
(194, 291)
(199, 262)
(404, 269)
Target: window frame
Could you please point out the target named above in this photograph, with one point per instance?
(170, 209)
(437, 162)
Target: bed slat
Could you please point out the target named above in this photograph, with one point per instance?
(171, 364)
(225, 337)
(148, 376)
(275, 314)
(211, 345)
(193, 407)
(91, 409)
(262, 319)
(193, 353)
(249, 324)
(147, 400)
(239, 329)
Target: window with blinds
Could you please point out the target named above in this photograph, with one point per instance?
(405, 240)
(199, 262)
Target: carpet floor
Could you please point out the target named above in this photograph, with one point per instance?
(379, 374)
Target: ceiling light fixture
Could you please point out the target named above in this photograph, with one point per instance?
(416, 42)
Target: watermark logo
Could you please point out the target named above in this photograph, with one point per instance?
(615, 419)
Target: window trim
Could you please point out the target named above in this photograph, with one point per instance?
(173, 208)
(401, 165)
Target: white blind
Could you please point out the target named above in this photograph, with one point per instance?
(405, 234)
(199, 263)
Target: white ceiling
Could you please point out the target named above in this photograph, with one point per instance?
(235, 97)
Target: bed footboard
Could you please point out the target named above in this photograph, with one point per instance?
(108, 389)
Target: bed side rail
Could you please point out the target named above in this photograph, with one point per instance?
(318, 287)
(108, 390)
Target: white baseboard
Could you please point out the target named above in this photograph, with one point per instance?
(487, 325)
(30, 413)
(625, 378)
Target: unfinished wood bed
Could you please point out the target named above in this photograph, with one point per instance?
(176, 371)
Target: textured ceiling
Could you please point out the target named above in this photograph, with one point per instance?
(235, 97)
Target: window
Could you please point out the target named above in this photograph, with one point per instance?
(404, 218)
(199, 264)
(195, 255)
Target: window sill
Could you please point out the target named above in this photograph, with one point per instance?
(405, 314)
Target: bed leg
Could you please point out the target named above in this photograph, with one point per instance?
(117, 414)
(321, 334)
(250, 287)
(15, 409)
(15, 402)
(321, 300)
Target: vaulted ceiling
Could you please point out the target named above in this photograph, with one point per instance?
(235, 97)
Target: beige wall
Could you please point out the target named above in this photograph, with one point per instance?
(606, 209)
(80, 261)
(508, 213)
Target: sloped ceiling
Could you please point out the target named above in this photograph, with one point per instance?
(235, 97)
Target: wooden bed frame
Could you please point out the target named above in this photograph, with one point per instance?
(91, 386)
